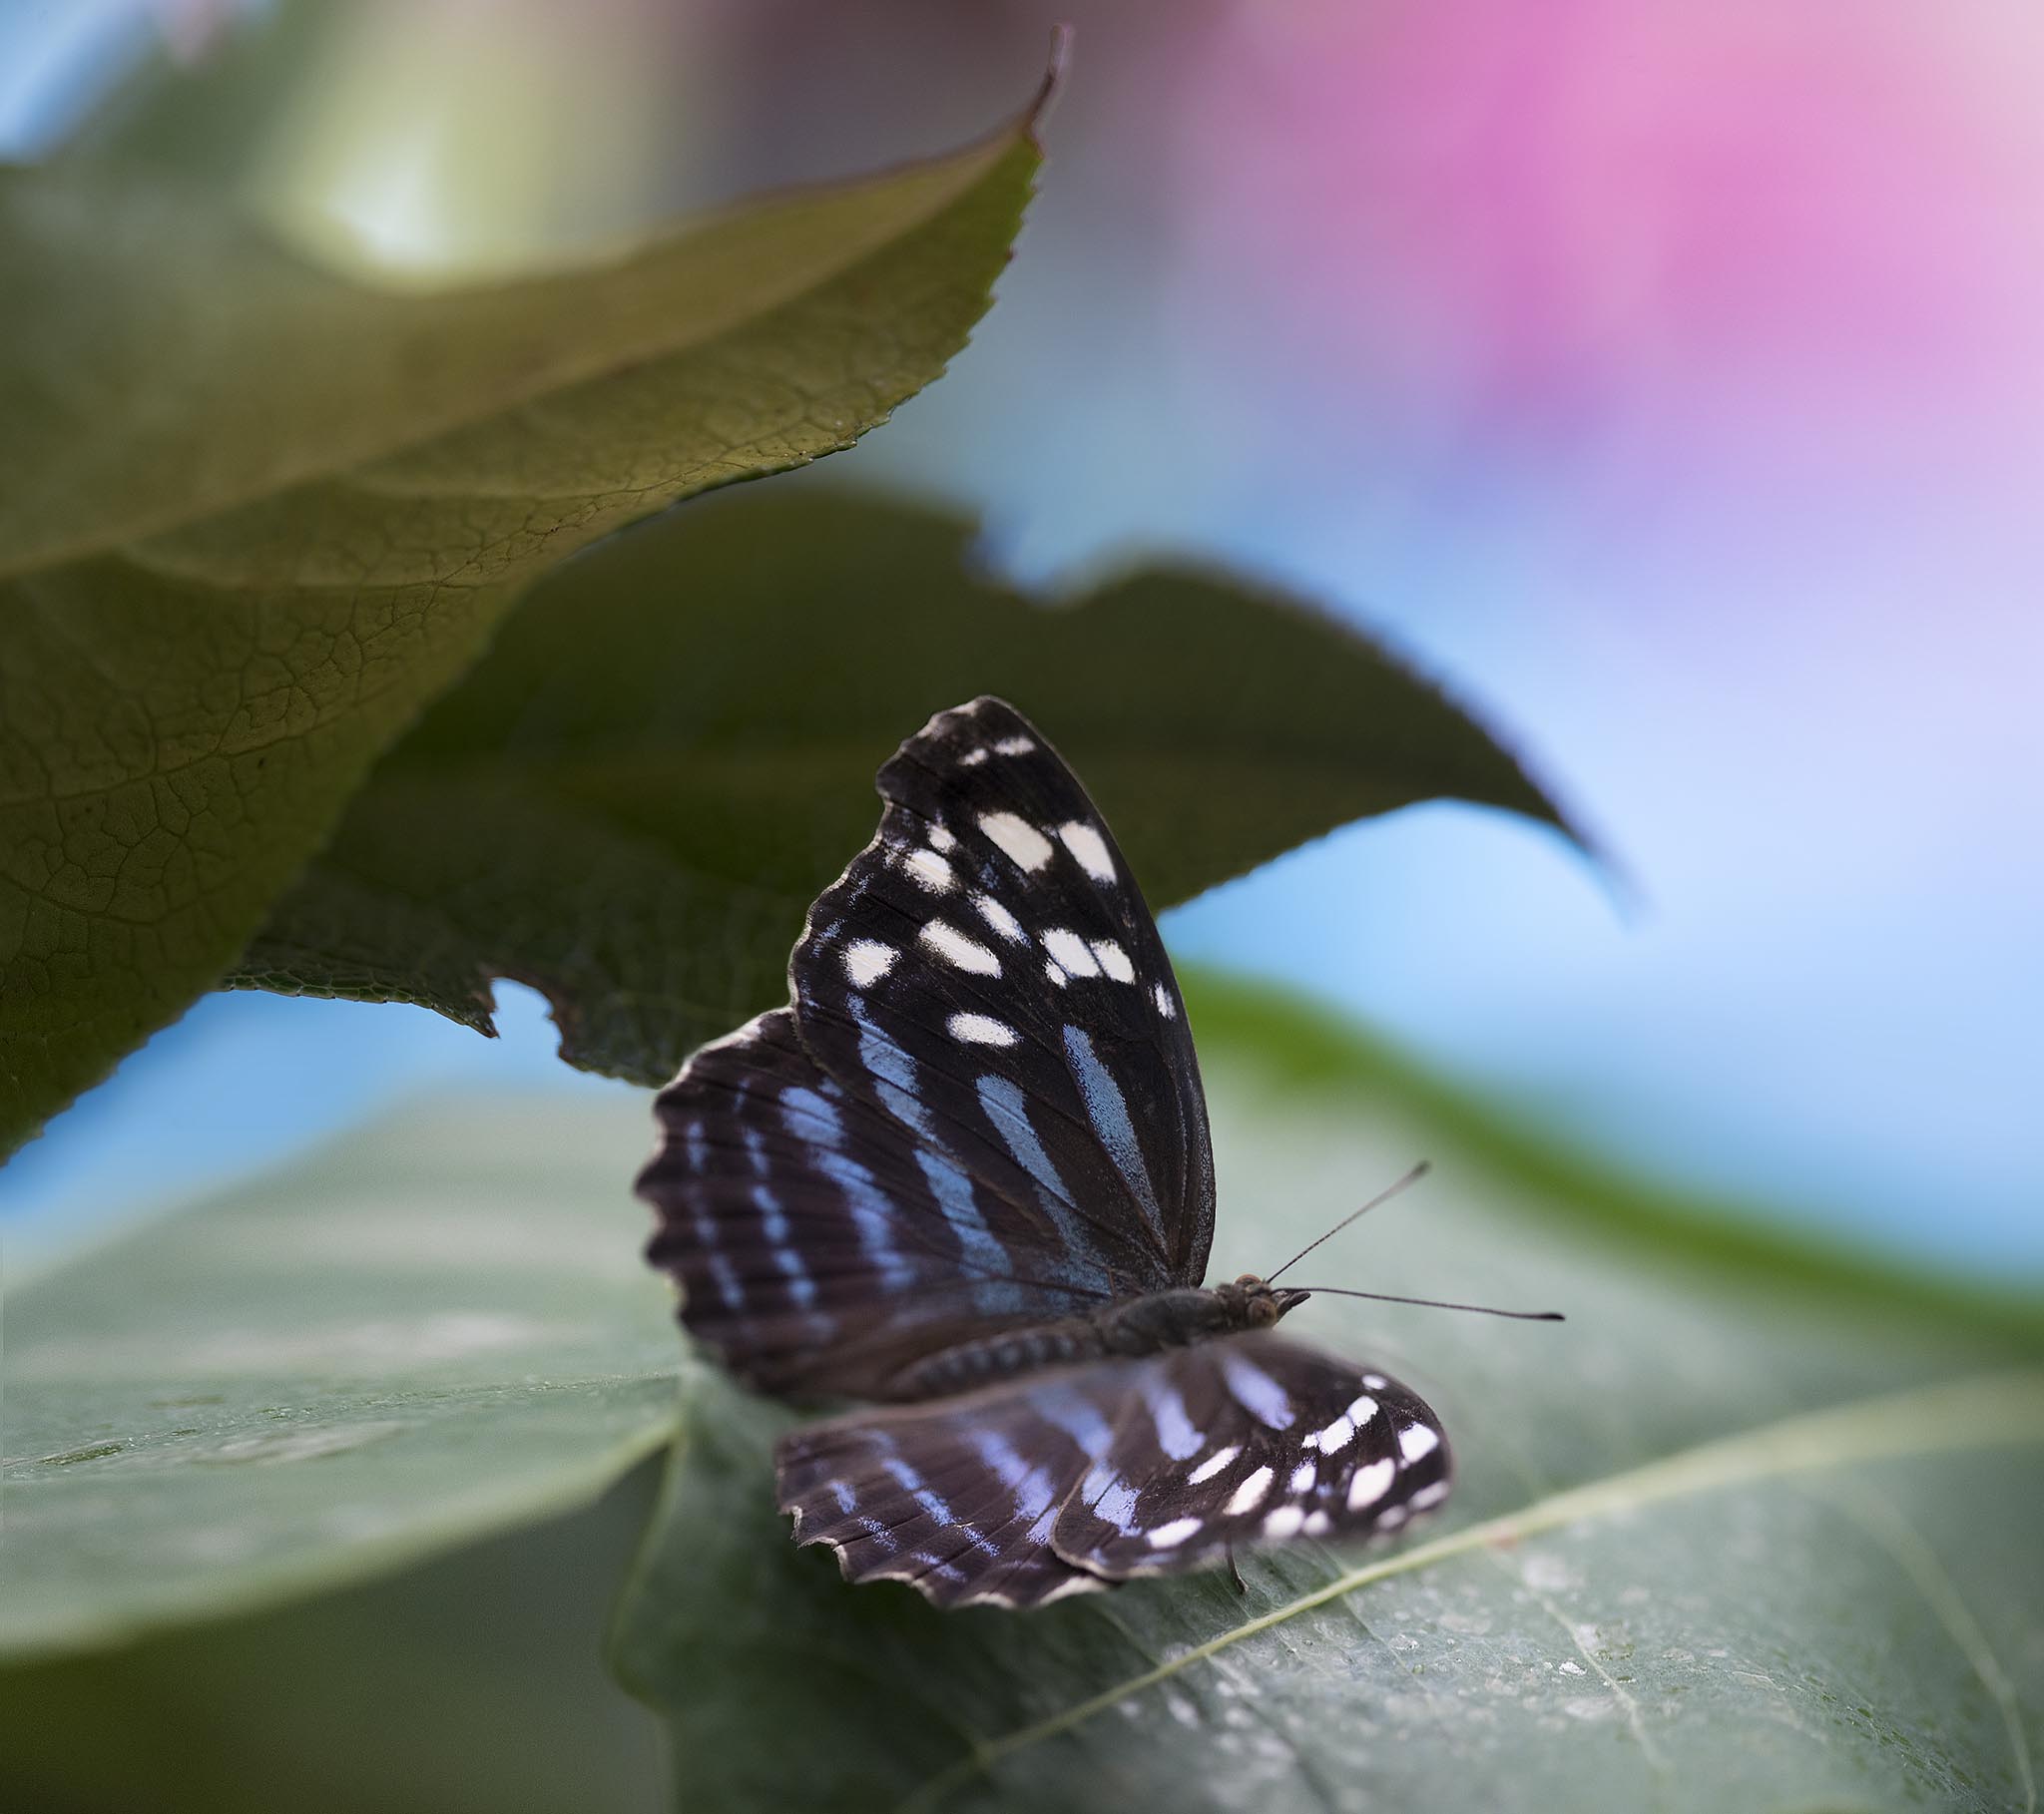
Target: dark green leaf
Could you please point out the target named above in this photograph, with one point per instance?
(472, 1683)
(1745, 1533)
(440, 1328)
(252, 517)
(639, 834)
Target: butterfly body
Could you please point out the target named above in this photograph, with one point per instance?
(966, 1174)
(1130, 1327)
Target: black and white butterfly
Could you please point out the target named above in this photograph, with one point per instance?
(966, 1172)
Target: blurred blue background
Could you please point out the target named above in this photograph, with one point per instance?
(1668, 379)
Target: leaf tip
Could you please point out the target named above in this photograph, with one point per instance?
(1053, 83)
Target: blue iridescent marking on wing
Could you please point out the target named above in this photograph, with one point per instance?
(935, 1506)
(871, 1214)
(980, 1249)
(1255, 1391)
(1031, 1485)
(1007, 1110)
(729, 1288)
(1110, 1496)
(1073, 1414)
(773, 1225)
(823, 1246)
(1005, 1107)
(1175, 1435)
(894, 1074)
(1108, 1111)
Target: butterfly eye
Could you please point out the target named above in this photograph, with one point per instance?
(1249, 1281)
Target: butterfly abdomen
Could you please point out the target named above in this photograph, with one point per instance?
(1003, 1356)
(1132, 1328)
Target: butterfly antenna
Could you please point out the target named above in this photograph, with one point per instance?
(1434, 1303)
(1413, 1177)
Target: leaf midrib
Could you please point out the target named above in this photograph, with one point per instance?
(1981, 1412)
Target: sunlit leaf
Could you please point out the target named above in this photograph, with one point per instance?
(253, 517)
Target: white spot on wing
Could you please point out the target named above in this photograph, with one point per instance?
(1214, 1464)
(930, 870)
(1168, 1536)
(999, 918)
(867, 961)
(1161, 997)
(1056, 975)
(981, 1030)
(1286, 1521)
(1429, 1496)
(1114, 959)
(1020, 839)
(1086, 843)
(941, 839)
(1364, 1408)
(1302, 1477)
(1334, 1438)
(1319, 1524)
(1416, 1440)
(972, 758)
(960, 952)
(1377, 1382)
(1250, 1493)
(1014, 747)
(1071, 950)
(1368, 1485)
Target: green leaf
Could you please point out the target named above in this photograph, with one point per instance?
(639, 839)
(440, 1328)
(253, 517)
(1745, 1532)
(472, 1683)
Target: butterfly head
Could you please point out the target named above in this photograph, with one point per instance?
(1254, 1303)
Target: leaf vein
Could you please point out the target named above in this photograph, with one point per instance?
(1911, 1552)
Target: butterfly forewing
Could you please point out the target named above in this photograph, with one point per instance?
(820, 1248)
(1084, 1475)
(987, 973)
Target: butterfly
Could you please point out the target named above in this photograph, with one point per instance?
(965, 1176)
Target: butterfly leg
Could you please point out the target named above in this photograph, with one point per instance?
(1240, 1587)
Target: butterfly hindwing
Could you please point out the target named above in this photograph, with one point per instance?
(987, 973)
(1074, 1479)
(957, 1498)
(820, 1248)
(1248, 1440)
